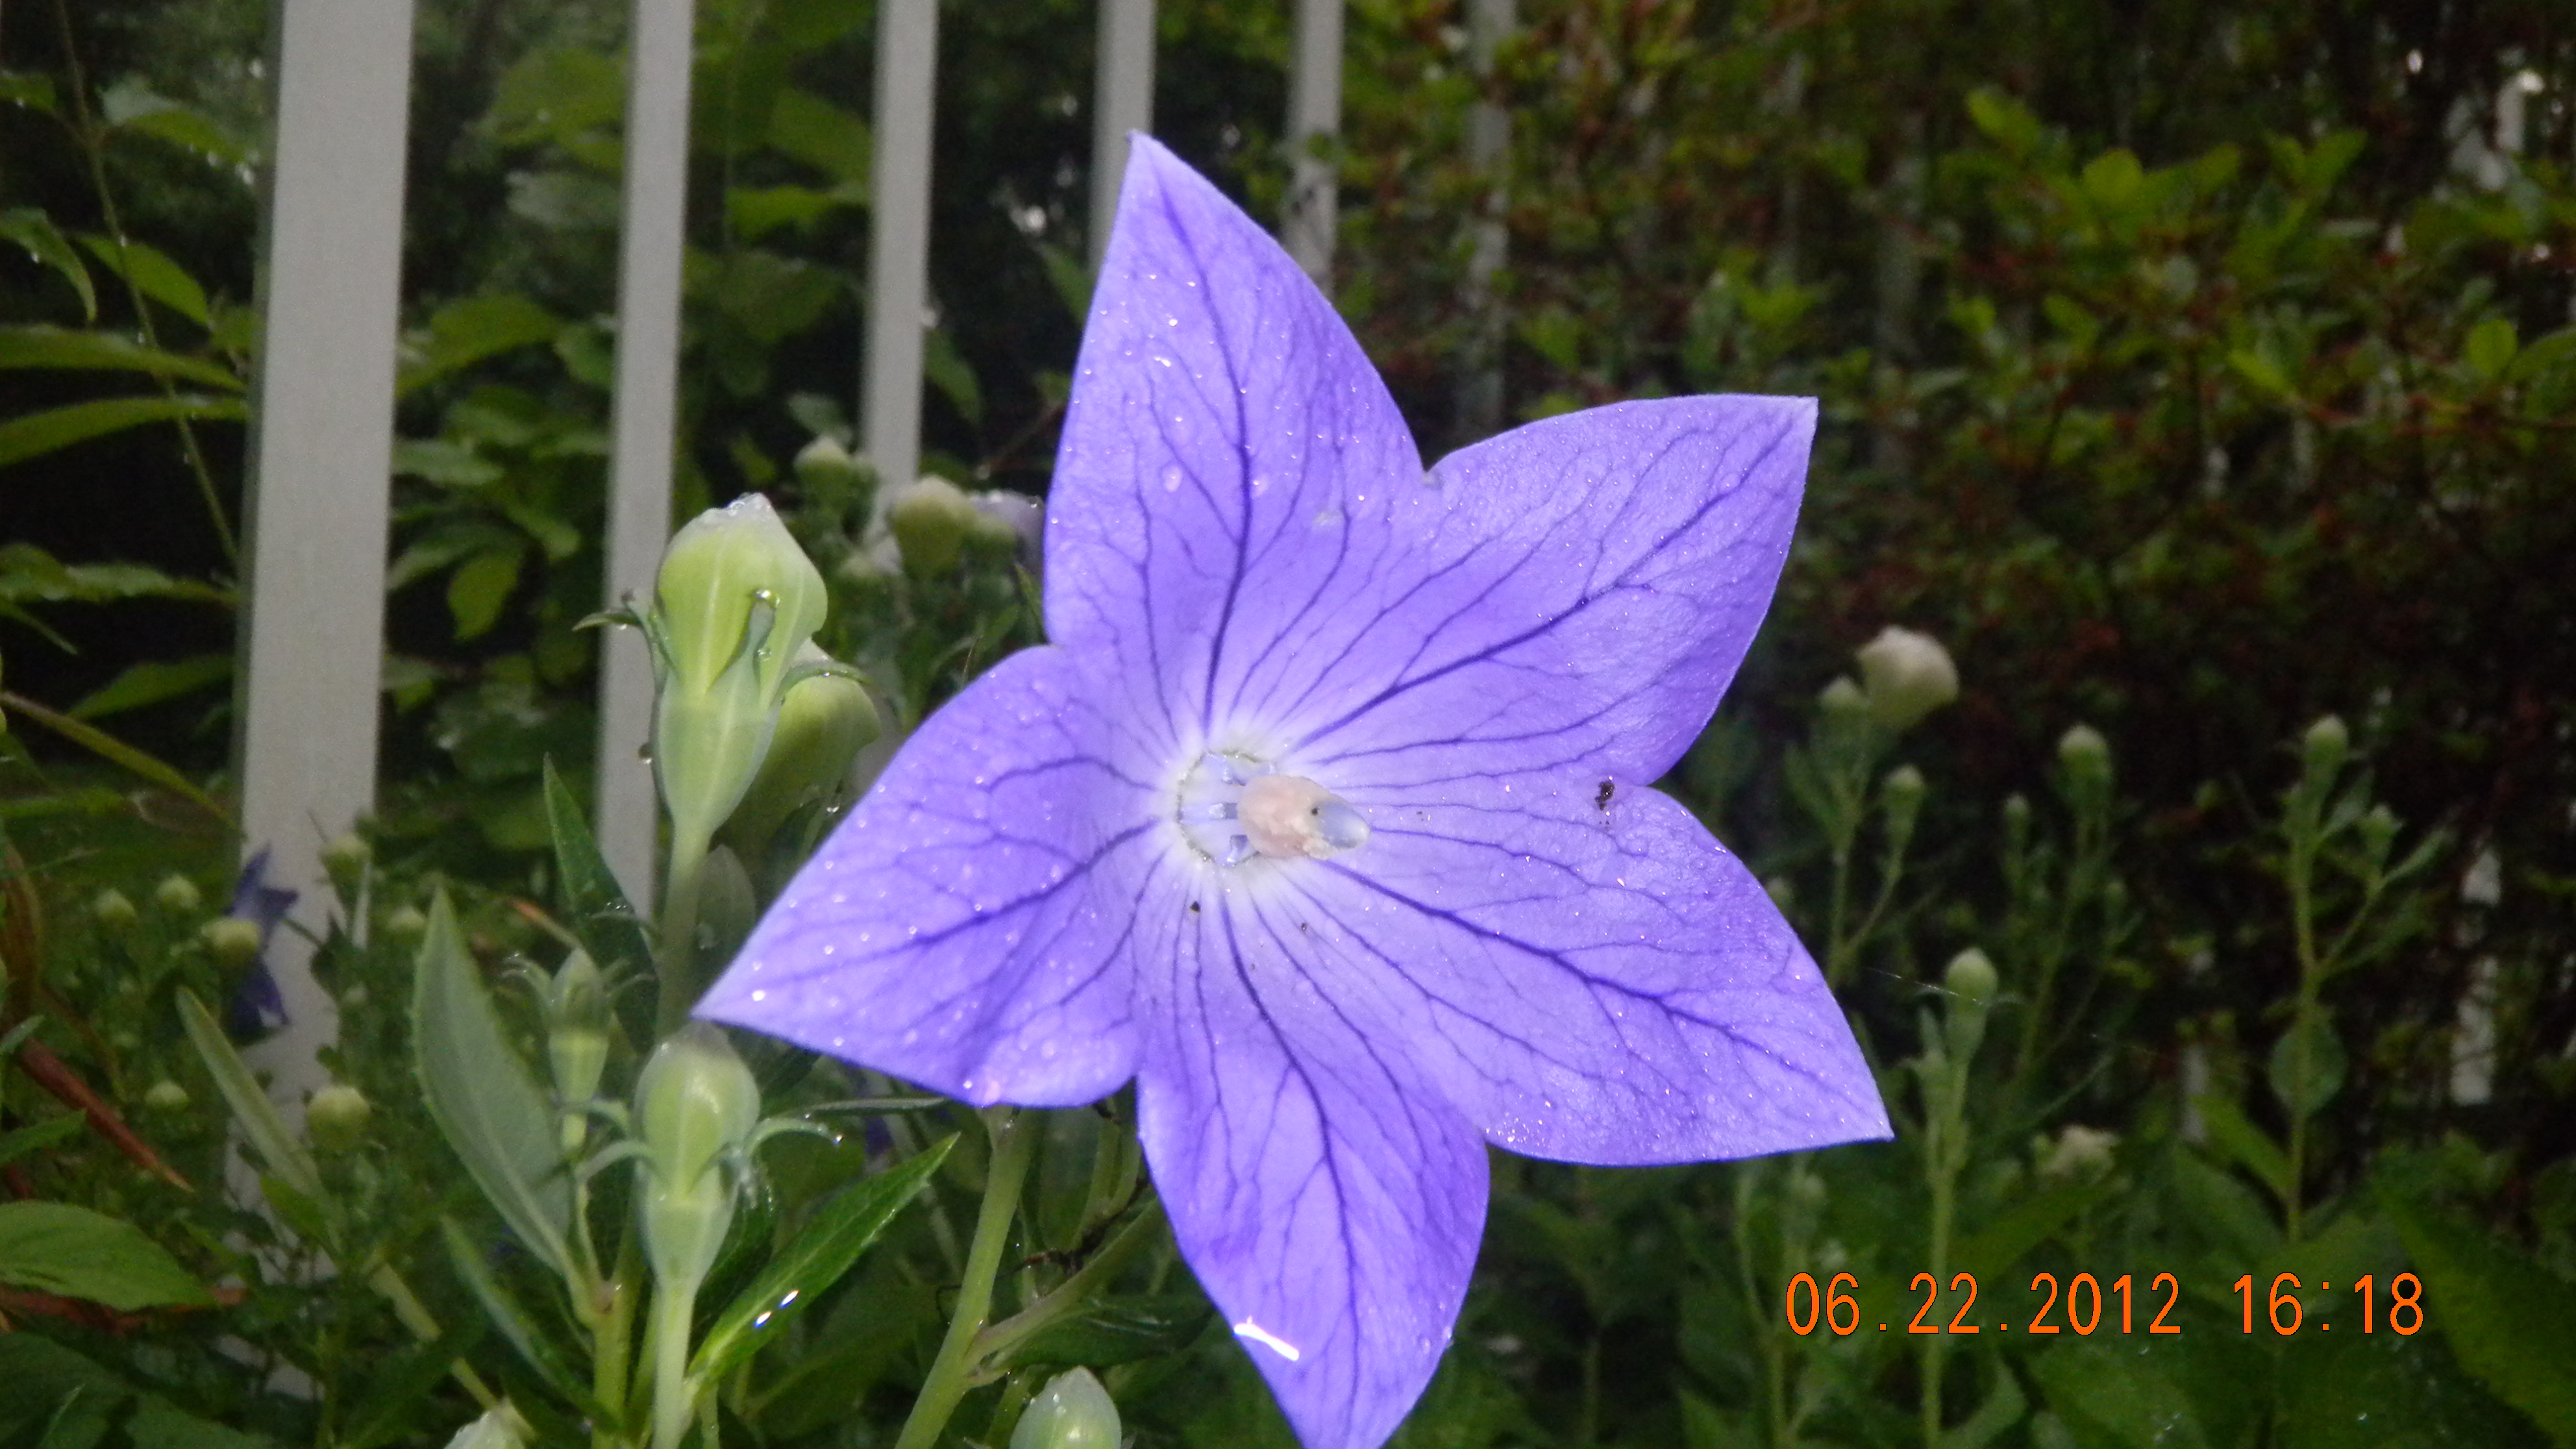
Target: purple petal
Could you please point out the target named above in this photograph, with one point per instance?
(1577, 593)
(1326, 1195)
(1589, 980)
(1228, 451)
(968, 927)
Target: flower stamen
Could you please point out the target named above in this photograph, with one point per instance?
(1232, 809)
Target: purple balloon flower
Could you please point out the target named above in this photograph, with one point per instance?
(1327, 818)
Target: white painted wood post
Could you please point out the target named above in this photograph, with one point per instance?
(1480, 384)
(321, 449)
(899, 243)
(1122, 100)
(1314, 115)
(644, 426)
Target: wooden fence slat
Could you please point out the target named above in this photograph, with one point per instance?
(1122, 100)
(312, 634)
(644, 425)
(907, 62)
(1314, 116)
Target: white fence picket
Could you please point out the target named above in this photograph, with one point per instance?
(899, 242)
(1314, 121)
(1122, 100)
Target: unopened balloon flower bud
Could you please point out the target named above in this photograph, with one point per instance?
(345, 856)
(111, 908)
(735, 601)
(178, 895)
(2378, 830)
(501, 1428)
(336, 1117)
(823, 722)
(1970, 977)
(1009, 523)
(1842, 699)
(2085, 753)
(405, 923)
(1905, 676)
(827, 468)
(232, 941)
(931, 522)
(2326, 744)
(695, 1105)
(577, 1022)
(1072, 1412)
(165, 1096)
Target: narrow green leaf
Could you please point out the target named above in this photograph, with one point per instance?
(815, 1260)
(36, 345)
(277, 1147)
(2003, 1408)
(46, 245)
(28, 574)
(2508, 1318)
(32, 435)
(504, 1312)
(190, 130)
(1999, 1243)
(153, 274)
(2117, 1398)
(594, 905)
(466, 331)
(484, 1098)
(115, 751)
(1113, 1331)
(2240, 1141)
(2306, 1083)
(54, 1247)
(51, 1132)
(155, 681)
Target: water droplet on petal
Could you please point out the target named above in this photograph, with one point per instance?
(1171, 477)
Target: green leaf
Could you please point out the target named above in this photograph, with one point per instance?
(948, 371)
(2306, 1085)
(2491, 348)
(153, 274)
(813, 1260)
(269, 1137)
(479, 588)
(1114, 1331)
(1998, 1245)
(505, 1314)
(31, 89)
(55, 1247)
(831, 140)
(30, 575)
(2508, 1318)
(51, 1132)
(31, 435)
(556, 95)
(2003, 1408)
(62, 347)
(190, 130)
(46, 246)
(484, 1098)
(466, 331)
(155, 681)
(2116, 1400)
(2241, 1142)
(594, 905)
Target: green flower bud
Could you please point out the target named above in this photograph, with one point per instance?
(1903, 788)
(1842, 699)
(2378, 830)
(166, 1096)
(823, 723)
(2326, 744)
(577, 1022)
(1905, 676)
(178, 895)
(2085, 753)
(1009, 523)
(695, 1105)
(931, 521)
(1072, 1412)
(736, 600)
(345, 856)
(2079, 1151)
(405, 923)
(1970, 977)
(232, 941)
(336, 1117)
(827, 469)
(111, 908)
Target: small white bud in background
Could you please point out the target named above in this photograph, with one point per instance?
(1905, 676)
(826, 467)
(931, 521)
(1970, 977)
(405, 923)
(178, 895)
(233, 942)
(1842, 699)
(502, 1428)
(112, 909)
(1903, 788)
(345, 855)
(1072, 1412)
(2326, 744)
(336, 1117)
(2079, 1151)
(2083, 751)
(166, 1096)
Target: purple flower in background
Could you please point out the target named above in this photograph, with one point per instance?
(1326, 816)
(257, 1008)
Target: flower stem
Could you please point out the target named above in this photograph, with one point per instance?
(678, 946)
(611, 1340)
(672, 1407)
(1015, 1135)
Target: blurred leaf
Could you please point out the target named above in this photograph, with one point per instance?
(2114, 1399)
(51, 1132)
(2511, 1321)
(55, 1247)
(1115, 1331)
(153, 274)
(31, 89)
(2238, 1140)
(37, 345)
(480, 587)
(833, 141)
(448, 464)
(503, 1312)
(813, 1260)
(2491, 348)
(1995, 1248)
(30, 435)
(46, 245)
(2004, 1407)
(116, 752)
(133, 109)
(154, 681)
(948, 371)
(468, 330)
(2306, 1084)
(483, 1096)
(278, 1149)
(30, 575)
(555, 95)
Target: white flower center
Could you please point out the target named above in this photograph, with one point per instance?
(1233, 808)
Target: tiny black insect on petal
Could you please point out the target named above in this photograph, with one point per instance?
(1601, 801)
